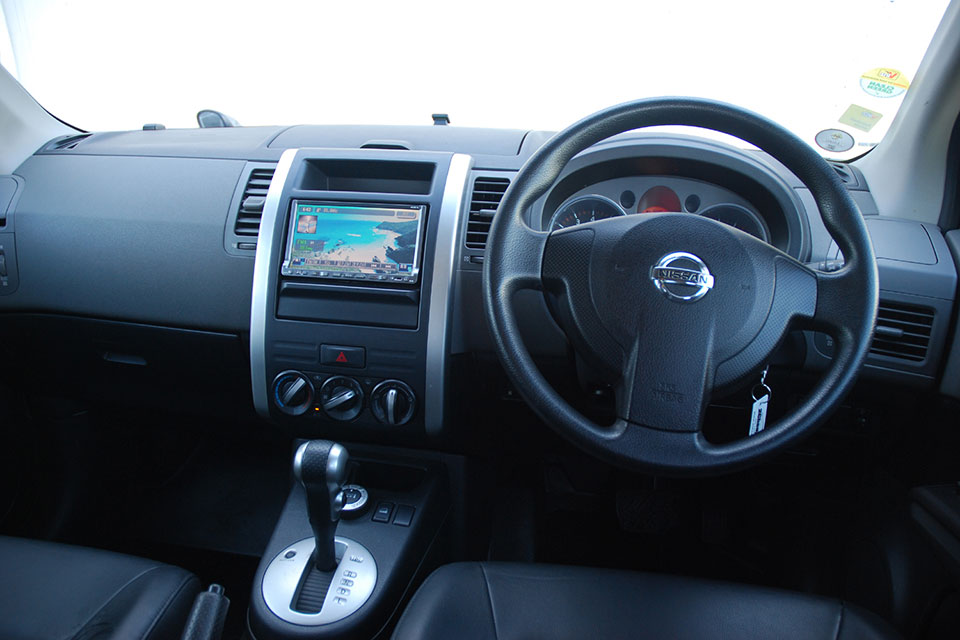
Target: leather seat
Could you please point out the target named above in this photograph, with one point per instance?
(503, 601)
(55, 591)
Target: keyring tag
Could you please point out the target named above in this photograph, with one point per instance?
(761, 399)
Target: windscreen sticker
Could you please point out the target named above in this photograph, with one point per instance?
(834, 140)
(884, 83)
(860, 117)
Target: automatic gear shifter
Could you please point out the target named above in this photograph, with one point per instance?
(321, 467)
(320, 580)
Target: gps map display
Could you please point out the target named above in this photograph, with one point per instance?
(359, 242)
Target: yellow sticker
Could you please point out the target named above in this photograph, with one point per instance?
(884, 82)
(860, 117)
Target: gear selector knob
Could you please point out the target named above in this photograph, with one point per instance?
(321, 467)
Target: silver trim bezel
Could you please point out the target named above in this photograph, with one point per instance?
(298, 462)
(261, 283)
(353, 509)
(569, 202)
(283, 576)
(440, 313)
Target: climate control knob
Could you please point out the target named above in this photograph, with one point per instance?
(393, 402)
(341, 398)
(292, 393)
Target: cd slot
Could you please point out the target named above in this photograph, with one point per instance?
(356, 305)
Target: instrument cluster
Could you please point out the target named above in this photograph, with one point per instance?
(658, 194)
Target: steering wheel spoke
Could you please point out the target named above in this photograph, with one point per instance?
(667, 383)
(789, 289)
(831, 302)
(839, 296)
(521, 261)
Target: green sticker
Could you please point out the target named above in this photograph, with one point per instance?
(884, 83)
(860, 117)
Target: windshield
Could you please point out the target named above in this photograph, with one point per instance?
(834, 73)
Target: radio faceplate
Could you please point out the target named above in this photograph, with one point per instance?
(402, 326)
(355, 241)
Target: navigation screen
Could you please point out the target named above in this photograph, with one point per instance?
(356, 242)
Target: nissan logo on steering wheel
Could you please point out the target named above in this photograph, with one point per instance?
(682, 276)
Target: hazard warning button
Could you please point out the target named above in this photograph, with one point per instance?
(341, 356)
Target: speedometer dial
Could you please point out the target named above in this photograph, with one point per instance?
(739, 218)
(584, 209)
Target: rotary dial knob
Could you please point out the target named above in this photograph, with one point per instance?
(393, 402)
(292, 393)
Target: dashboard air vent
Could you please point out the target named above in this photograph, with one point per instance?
(487, 193)
(252, 201)
(66, 143)
(903, 331)
(845, 173)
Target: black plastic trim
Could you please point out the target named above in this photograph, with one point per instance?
(950, 208)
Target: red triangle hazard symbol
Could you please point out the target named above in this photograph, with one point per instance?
(341, 357)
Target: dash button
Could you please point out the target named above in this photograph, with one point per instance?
(404, 515)
(383, 512)
(342, 356)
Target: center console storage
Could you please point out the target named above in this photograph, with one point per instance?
(351, 302)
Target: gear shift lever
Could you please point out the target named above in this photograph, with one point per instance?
(321, 467)
(312, 590)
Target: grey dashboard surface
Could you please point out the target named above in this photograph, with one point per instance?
(131, 238)
(494, 142)
(267, 143)
(131, 225)
(241, 143)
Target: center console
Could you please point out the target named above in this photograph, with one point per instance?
(358, 531)
(351, 299)
(349, 340)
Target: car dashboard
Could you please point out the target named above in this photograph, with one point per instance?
(163, 266)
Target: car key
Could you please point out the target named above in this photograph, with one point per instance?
(761, 399)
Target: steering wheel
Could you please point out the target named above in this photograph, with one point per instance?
(670, 306)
